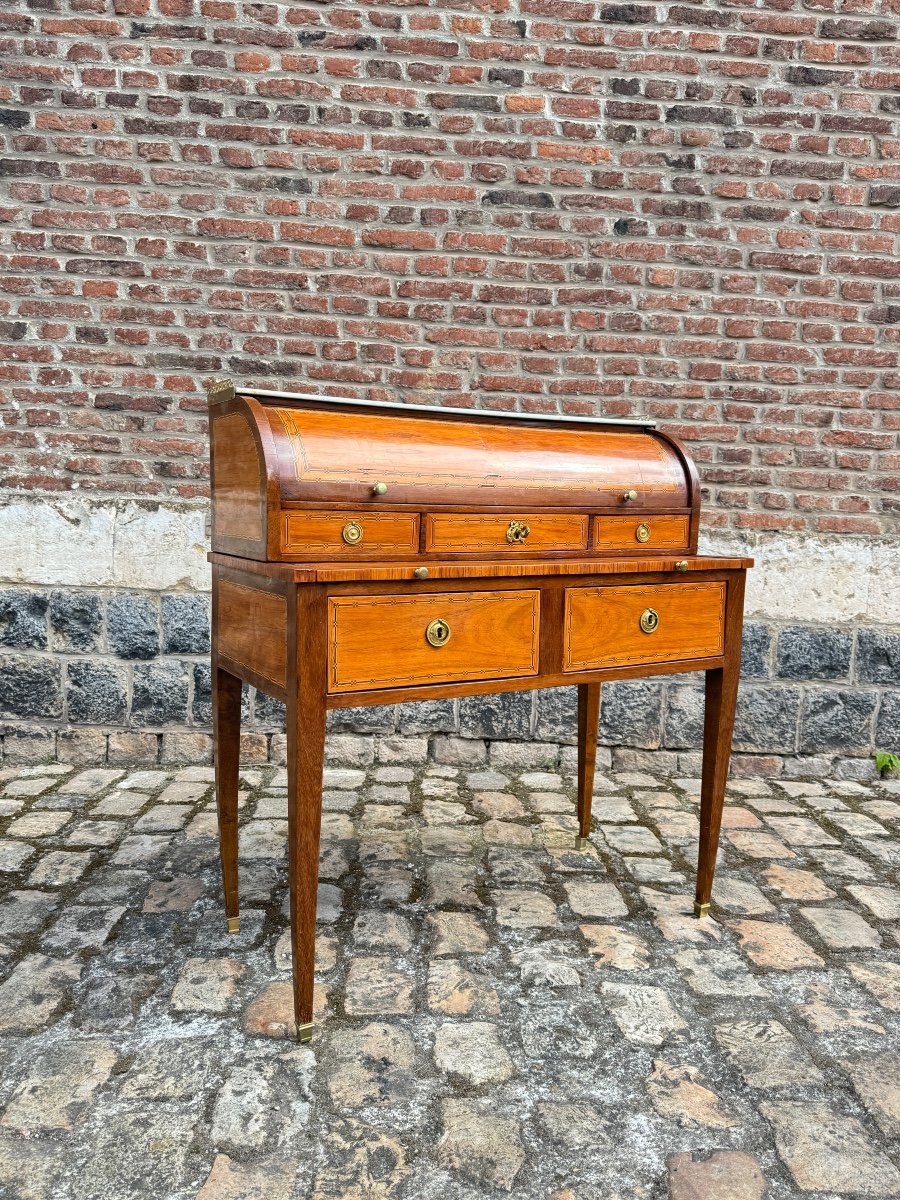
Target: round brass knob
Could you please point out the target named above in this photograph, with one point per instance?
(631, 494)
(438, 633)
(352, 533)
(681, 565)
(421, 572)
(649, 620)
(378, 489)
(642, 533)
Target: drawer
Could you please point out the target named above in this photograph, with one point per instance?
(637, 532)
(343, 533)
(462, 532)
(623, 626)
(393, 641)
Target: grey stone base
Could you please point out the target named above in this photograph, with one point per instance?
(123, 677)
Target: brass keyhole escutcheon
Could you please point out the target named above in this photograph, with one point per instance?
(649, 620)
(352, 533)
(438, 633)
(517, 531)
(642, 533)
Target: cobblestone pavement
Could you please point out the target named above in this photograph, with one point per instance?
(498, 1013)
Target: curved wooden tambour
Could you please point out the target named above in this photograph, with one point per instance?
(276, 455)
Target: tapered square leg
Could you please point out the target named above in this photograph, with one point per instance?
(718, 728)
(306, 714)
(226, 689)
(588, 720)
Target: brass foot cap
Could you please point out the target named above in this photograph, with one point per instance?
(305, 1032)
(581, 843)
(701, 910)
(234, 924)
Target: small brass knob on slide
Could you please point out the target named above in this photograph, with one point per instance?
(681, 565)
(421, 572)
(631, 494)
(378, 489)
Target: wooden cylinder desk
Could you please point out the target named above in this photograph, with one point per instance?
(367, 553)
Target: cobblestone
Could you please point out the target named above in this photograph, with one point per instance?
(489, 1013)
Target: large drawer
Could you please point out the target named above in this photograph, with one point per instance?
(641, 531)
(461, 533)
(323, 534)
(394, 641)
(624, 626)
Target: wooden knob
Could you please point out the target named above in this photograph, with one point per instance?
(378, 489)
(631, 494)
(421, 572)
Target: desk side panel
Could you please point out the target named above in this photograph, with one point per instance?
(250, 631)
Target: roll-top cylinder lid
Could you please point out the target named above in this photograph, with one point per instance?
(330, 451)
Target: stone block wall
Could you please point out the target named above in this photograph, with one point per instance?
(119, 676)
(679, 211)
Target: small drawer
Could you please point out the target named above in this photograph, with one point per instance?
(626, 626)
(463, 532)
(394, 641)
(636, 532)
(346, 533)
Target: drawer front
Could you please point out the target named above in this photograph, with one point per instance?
(636, 532)
(394, 641)
(348, 533)
(463, 532)
(625, 626)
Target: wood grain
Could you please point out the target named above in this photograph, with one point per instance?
(588, 720)
(251, 628)
(338, 456)
(602, 625)
(379, 641)
(378, 572)
(238, 501)
(718, 730)
(316, 534)
(226, 707)
(470, 532)
(305, 724)
(620, 533)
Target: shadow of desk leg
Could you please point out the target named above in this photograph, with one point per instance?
(226, 690)
(588, 720)
(718, 729)
(306, 712)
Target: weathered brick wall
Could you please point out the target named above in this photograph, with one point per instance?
(684, 211)
(688, 211)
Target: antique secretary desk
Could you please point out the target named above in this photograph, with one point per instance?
(366, 553)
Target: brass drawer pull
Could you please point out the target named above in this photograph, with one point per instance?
(517, 531)
(378, 489)
(649, 620)
(631, 494)
(642, 533)
(438, 633)
(681, 565)
(421, 572)
(352, 533)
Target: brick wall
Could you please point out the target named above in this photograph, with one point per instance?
(684, 211)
